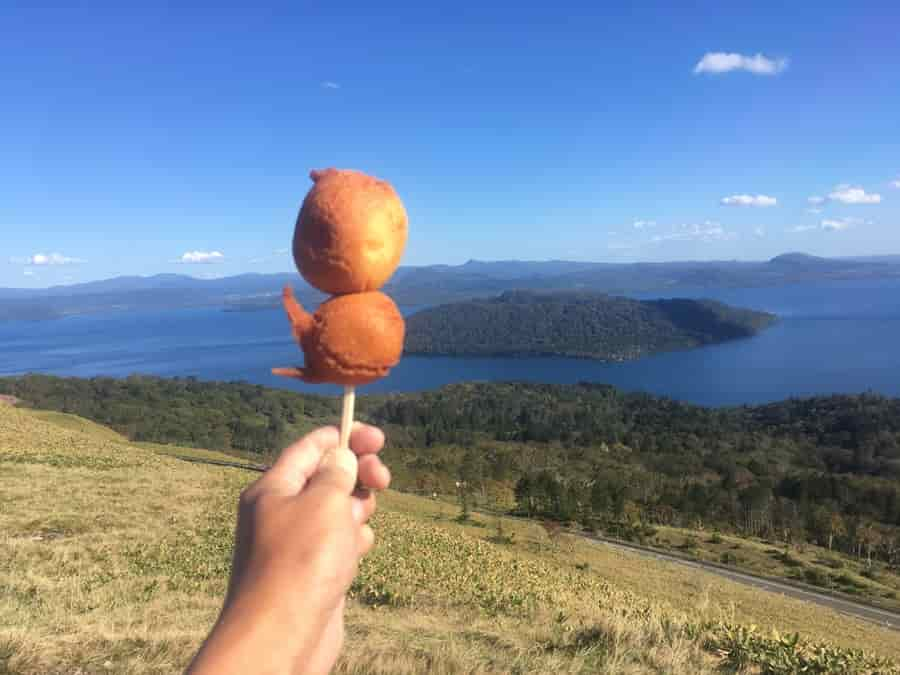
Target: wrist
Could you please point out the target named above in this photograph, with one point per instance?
(262, 630)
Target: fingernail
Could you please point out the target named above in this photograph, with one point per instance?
(356, 507)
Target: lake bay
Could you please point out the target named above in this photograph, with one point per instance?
(832, 337)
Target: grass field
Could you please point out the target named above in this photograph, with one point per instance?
(114, 558)
(810, 564)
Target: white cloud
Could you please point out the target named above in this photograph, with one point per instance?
(641, 224)
(848, 194)
(29, 272)
(201, 257)
(705, 231)
(749, 200)
(330, 85)
(724, 62)
(47, 259)
(814, 211)
(895, 183)
(759, 232)
(837, 224)
(815, 200)
(832, 225)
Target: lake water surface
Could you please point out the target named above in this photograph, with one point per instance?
(832, 337)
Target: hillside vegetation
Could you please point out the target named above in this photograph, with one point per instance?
(114, 559)
(586, 325)
(809, 485)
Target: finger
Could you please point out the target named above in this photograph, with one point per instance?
(363, 505)
(373, 474)
(366, 439)
(298, 462)
(337, 472)
(365, 540)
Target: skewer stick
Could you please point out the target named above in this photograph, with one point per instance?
(347, 416)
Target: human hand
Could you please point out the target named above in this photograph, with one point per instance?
(301, 533)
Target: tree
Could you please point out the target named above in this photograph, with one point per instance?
(462, 488)
(836, 528)
(524, 493)
(870, 538)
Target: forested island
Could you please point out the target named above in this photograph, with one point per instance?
(584, 325)
(824, 469)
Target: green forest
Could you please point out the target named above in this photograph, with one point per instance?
(824, 469)
(585, 325)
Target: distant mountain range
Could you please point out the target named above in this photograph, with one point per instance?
(436, 284)
(577, 324)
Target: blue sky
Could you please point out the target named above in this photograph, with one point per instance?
(136, 133)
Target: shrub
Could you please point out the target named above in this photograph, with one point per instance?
(689, 544)
(728, 558)
(833, 563)
(815, 577)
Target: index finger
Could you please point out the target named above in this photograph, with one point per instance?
(299, 461)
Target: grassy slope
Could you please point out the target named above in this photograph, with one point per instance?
(113, 558)
(830, 570)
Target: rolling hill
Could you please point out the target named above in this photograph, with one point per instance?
(436, 284)
(124, 571)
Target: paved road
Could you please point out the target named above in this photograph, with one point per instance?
(882, 617)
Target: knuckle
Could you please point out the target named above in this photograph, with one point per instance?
(248, 496)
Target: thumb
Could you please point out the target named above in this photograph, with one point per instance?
(337, 470)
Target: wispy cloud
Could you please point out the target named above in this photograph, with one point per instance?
(706, 231)
(815, 200)
(831, 225)
(328, 84)
(46, 260)
(643, 224)
(837, 224)
(749, 200)
(895, 183)
(201, 257)
(848, 194)
(725, 62)
(813, 210)
(759, 232)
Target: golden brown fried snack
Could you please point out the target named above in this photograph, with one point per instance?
(350, 233)
(351, 339)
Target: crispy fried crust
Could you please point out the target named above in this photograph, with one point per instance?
(350, 233)
(351, 339)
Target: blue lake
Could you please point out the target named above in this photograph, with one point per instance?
(832, 337)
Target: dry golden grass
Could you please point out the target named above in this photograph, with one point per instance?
(114, 558)
(877, 584)
(691, 591)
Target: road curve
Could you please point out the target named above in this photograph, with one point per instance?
(882, 617)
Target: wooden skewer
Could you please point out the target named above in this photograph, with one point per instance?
(347, 416)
